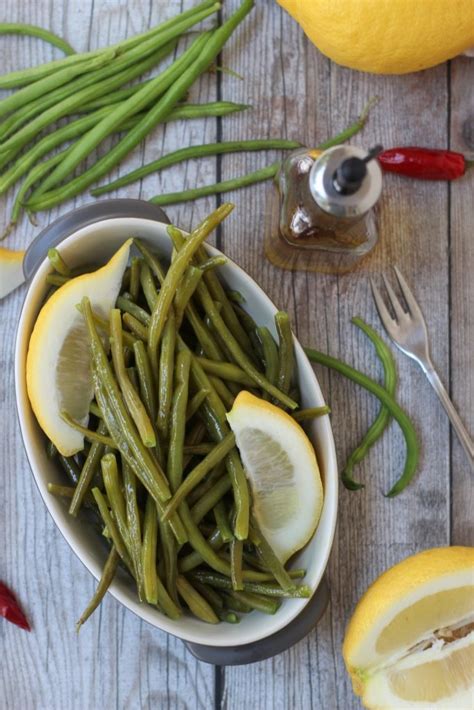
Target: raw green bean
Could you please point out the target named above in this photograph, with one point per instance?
(219, 452)
(286, 351)
(383, 418)
(175, 273)
(26, 76)
(148, 286)
(209, 500)
(133, 402)
(112, 528)
(303, 415)
(44, 86)
(135, 327)
(125, 109)
(193, 152)
(133, 522)
(178, 425)
(226, 371)
(236, 550)
(269, 558)
(404, 422)
(220, 581)
(17, 28)
(165, 367)
(58, 263)
(238, 354)
(135, 277)
(93, 436)
(173, 198)
(195, 403)
(107, 576)
(147, 386)
(222, 521)
(155, 115)
(108, 393)
(149, 547)
(197, 604)
(89, 470)
(184, 292)
(128, 306)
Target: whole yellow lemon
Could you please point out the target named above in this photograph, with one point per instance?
(386, 36)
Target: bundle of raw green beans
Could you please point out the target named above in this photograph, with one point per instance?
(161, 472)
(96, 84)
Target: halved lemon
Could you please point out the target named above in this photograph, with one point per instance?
(11, 270)
(58, 372)
(283, 472)
(410, 642)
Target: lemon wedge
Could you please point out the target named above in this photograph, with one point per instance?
(58, 374)
(283, 472)
(410, 642)
(11, 270)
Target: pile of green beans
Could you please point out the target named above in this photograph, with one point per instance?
(95, 83)
(160, 473)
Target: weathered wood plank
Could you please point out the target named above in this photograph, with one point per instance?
(117, 660)
(462, 299)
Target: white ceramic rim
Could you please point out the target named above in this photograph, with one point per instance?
(186, 628)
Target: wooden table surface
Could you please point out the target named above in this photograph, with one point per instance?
(118, 661)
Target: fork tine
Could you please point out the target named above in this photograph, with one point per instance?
(388, 322)
(412, 303)
(396, 305)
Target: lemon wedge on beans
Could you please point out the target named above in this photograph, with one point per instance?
(11, 270)
(410, 642)
(58, 368)
(281, 466)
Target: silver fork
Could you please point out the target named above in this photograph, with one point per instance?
(408, 332)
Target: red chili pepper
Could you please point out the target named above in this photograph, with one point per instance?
(424, 163)
(10, 609)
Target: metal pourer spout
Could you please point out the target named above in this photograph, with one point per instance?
(350, 174)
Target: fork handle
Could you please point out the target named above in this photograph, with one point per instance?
(466, 441)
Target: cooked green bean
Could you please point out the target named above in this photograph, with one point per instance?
(409, 432)
(250, 328)
(207, 484)
(236, 550)
(302, 415)
(135, 277)
(230, 601)
(226, 371)
(212, 263)
(178, 425)
(17, 28)
(112, 528)
(89, 470)
(131, 307)
(135, 327)
(149, 547)
(147, 387)
(93, 436)
(56, 280)
(383, 418)
(222, 521)
(206, 339)
(286, 351)
(256, 601)
(170, 560)
(197, 604)
(107, 576)
(61, 491)
(58, 263)
(201, 449)
(193, 152)
(26, 76)
(153, 263)
(268, 557)
(133, 402)
(184, 292)
(70, 468)
(155, 115)
(270, 356)
(195, 403)
(166, 370)
(133, 522)
(148, 285)
(218, 453)
(194, 559)
(210, 595)
(236, 297)
(126, 436)
(208, 501)
(220, 581)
